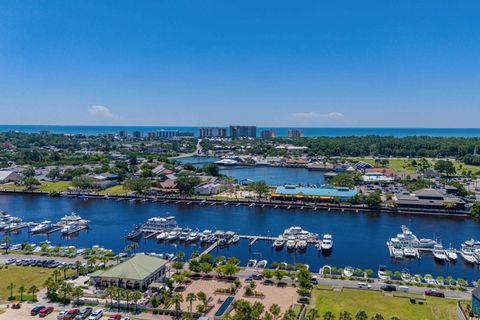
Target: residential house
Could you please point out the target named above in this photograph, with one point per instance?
(9, 176)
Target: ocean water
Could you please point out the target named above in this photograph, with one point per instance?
(280, 132)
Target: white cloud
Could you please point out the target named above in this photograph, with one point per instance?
(101, 111)
(315, 115)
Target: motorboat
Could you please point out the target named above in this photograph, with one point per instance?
(173, 235)
(396, 249)
(439, 253)
(467, 255)
(193, 236)
(73, 217)
(279, 242)
(262, 264)
(410, 252)
(135, 234)
(251, 263)
(162, 236)
(348, 271)
(429, 279)
(15, 226)
(451, 254)
(71, 227)
(235, 238)
(382, 272)
(408, 239)
(183, 236)
(291, 243)
(301, 244)
(327, 242)
(42, 227)
(205, 235)
(406, 276)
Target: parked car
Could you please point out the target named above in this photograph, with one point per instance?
(84, 313)
(71, 314)
(97, 314)
(388, 287)
(364, 285)
(45, 312)
(435, 293)
(61, 315)
(36, 310)
(116, 316)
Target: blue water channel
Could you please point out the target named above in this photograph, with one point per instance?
(359, 238)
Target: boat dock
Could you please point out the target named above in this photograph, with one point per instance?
(210, 248)
(80, 228)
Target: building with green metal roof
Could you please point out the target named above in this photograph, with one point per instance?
(136, 273)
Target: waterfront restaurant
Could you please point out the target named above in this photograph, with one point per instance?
(293, 192)
(135, 273)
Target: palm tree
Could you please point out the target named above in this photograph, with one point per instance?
(109, 293)
(21, 290)
(180, 255)
(134, 246)
(64, 268)
(202, 296)
(191, 297)
(119, 294)
(312, 314)
(77, 292)
(64, 290)
(6, 239)
(328, 316)
(91, 261)
(127, 295)
(33, 289)
(136, 295)
(10, 287)
(275, 311)
(56, 273)
(177, 299)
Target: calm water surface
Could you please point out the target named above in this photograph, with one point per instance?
(359, 238)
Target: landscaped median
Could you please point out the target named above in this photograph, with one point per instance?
(374, 302)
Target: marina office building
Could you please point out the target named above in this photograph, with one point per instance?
(136, 273)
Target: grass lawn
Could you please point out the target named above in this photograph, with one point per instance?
(118, 189)
(59, 186)
(373, 302)
(26, 276)
(11, 186)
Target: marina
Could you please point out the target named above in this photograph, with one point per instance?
(358, 238)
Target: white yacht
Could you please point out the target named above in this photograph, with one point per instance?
(301, 244)
(279, 242)
(235, 238)
(73, 217)
(193, 236)
(173, 235)
(291, 243)
(410, 252)
(476, 254)
(160, 223)
(161, 236)
(408, 239)
(451, 254)
(396, 249)
(71, 228)
(467, 255)
(251, 263)
(183, 236)
(439, 253)
(327, 242)
(42, 227)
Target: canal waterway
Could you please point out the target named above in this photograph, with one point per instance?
(359, 238)
(273, 176)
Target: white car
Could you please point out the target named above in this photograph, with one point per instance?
(97, 314)
(364, 285)
(62, 314)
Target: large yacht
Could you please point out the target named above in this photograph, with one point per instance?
(291, 243)
(73, 217)
(327, 242)
(439, 252)
(42, 227)
(451, 254)
(160, 223)
(410, 252)
(408, 239)
(467, 254)
(71, 227)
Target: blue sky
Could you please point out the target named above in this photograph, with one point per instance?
(267, 63)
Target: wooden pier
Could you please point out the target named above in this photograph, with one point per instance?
(210, 248)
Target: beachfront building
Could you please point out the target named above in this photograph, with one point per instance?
(293, 192)
(295, 133)
(9, 176)
(136, 273)
(267, 134)
(213, 132)
(243, 131)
